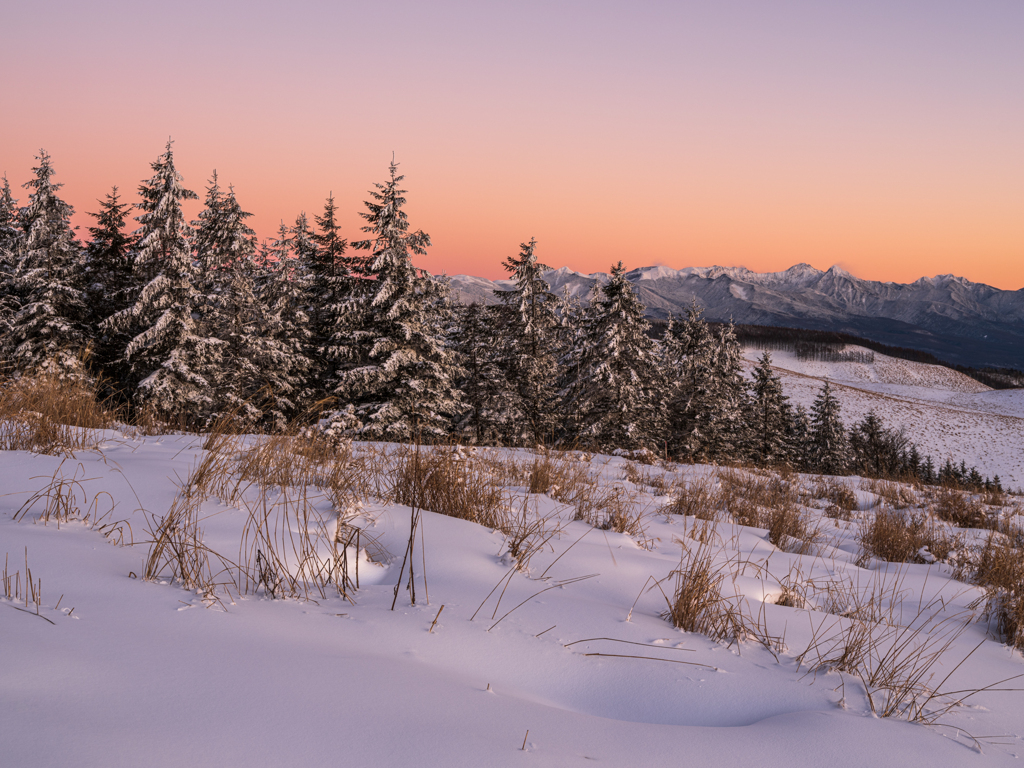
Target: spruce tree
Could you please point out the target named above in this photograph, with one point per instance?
(109, 284)
(171, 358)
(10, 240)
(485, 390)
(528, 352)
(830, 451)
(706, 393)
(729, 428)
(396, 372)
(770, 415)
(617, 392)
(225, 248)
(284, 374)
(47, 334)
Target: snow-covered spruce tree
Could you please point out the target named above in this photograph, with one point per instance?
(617, 392)
(331, 279)
(281, 385)
(47, 333)
(172, 360)
(829, 448)
(876, 450)
(484, 388)
(798, 435)
(770, 415)
(10, 242)
(264, 369)
(396, 373)
(707, 397)
(730, 397)
(110, 287)
(225, 248)
(573, 321)
(528, 348)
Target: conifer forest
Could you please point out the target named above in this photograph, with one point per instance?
(188, 324)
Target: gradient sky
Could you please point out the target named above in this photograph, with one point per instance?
(887, 137)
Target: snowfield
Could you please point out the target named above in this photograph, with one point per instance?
(946, 413)
(561, 657)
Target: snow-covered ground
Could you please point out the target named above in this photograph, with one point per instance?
(947, 414)
(553, 670)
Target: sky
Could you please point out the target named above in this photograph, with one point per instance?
(886, 137)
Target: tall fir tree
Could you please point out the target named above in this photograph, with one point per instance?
(618, 389)
(484, 388)
(225, 248)
(10, 241)
(171, 359)
(706, 393)
(770, 415)
(829, 448)
(283, 378)
(47, 334)
(528, 347)
(109, 285)
(396, 373)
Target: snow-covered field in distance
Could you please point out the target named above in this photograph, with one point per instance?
(946, 413)
(134, 673)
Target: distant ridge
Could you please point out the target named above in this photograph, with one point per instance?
(950, 317)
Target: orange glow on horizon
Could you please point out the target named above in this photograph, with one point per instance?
(866, 136)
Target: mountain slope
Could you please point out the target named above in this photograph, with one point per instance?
(950, 317)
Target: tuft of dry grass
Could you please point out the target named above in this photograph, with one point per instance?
(895, 495)
(698, 498)
(998, 567)
(959, 508)
(770, 501)
(46, 415)
(898, 536)
(697, 603)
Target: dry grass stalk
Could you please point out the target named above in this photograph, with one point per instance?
(896, 663)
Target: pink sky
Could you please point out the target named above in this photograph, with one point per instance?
(882, 136)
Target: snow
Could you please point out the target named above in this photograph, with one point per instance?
(146, 673)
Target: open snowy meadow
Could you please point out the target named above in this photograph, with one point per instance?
(173, 599)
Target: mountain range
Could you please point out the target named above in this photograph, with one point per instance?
(952, 318)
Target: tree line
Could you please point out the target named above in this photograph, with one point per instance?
(196, 322)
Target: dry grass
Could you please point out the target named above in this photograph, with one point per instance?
(769, 501)
(699, 498)
(959, 508)
(697, 603)
(895, 495)
(64, 500)
(21, 587)
(444, 482)
(842, 500)
(49, 416)
(898, 536)
(998, 567)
